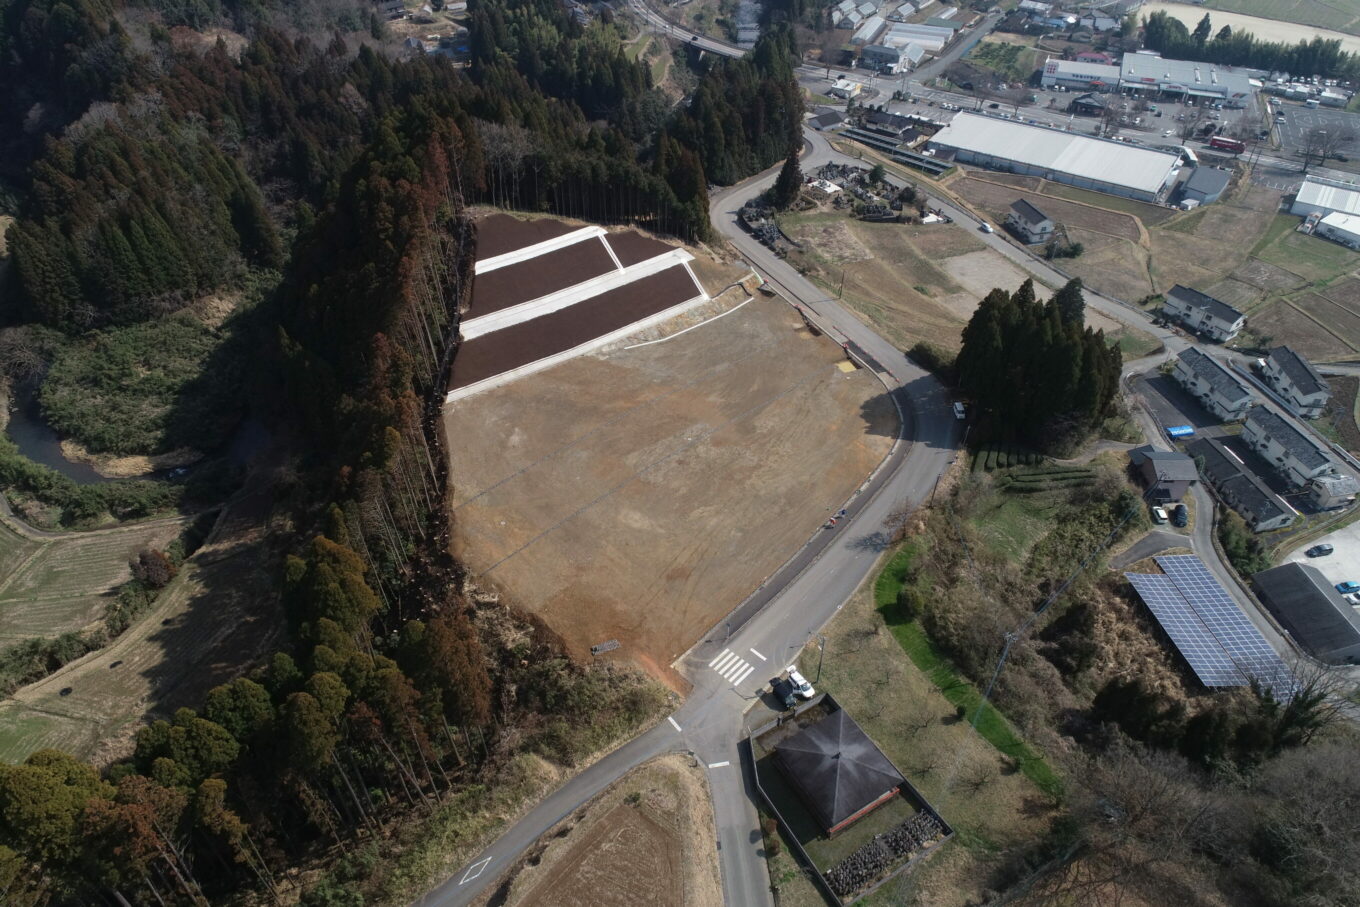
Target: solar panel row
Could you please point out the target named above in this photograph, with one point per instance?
(1206, 625)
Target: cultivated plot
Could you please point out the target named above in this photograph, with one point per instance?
(641, 494)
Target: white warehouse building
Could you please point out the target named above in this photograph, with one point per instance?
(1322, 197)
(1151, 73)
(1103, 165)
(1083, 76)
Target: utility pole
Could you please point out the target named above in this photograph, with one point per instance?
(821, 651)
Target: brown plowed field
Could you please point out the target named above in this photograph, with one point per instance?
(996, 199)
(647, 840)
(641, 494)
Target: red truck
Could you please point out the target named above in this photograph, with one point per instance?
(1218, 143)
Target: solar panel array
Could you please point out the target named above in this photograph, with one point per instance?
(1206, 625)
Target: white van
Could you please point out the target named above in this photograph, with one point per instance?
(959, 412)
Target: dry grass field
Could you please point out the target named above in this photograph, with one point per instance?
(641, 494)
(52, 586)
(994, 199)
(648, 839)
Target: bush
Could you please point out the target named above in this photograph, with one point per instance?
(934, 359)
(82, 504)
(1244, 550)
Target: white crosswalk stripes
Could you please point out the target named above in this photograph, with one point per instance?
(731, 666)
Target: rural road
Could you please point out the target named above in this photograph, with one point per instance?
(798, 600)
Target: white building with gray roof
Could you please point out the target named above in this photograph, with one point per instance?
(1201, 312)
(1297, 457)
(1150, 73)
(1211, 383)
(1297, 382)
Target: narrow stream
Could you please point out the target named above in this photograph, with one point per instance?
(37, 441)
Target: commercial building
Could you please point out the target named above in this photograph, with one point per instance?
(1167, 474)
(1217, 389)
(1205, 185)
(869, 31)
(931, 37)
(1299, 385)
(1297, 457)
(1342, 228)
(1090, 163)
(1322, 197)
(1203, 313)
(1151, 74)
(840, 774)
(1313, 612)
(1031, 224)
(1261, 508)
(1081, 76)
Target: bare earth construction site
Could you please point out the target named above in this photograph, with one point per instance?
(639, 492)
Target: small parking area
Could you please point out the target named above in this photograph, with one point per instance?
(1339, 566)
(1299, 120)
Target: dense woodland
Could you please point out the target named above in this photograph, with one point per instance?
(317, 188)
(1035, 369)
(1316, 57)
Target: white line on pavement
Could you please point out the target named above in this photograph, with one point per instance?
(736, 668)
(718, 764)
(742, 676)
(673, 724)
(727, 662)
(758, 655)
(474, 870)
(719, 655)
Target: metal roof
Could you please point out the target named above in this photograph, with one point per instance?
(1150, 69)
(1197, 300)
(1309, 608)
(1100, 160)
(1225, 383)
(1343, 223)
(1208, 180)
(1245, 492)
(1329, 194)
(837, 768)
(1106, 72)
(1298, 444)
(1170, 466)
(1300, 371)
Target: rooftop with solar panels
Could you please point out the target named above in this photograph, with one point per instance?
(1215, 637)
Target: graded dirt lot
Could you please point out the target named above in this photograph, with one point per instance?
(648, 839)
(49, 586)
(995, 199)
(641, 494)
(220, 613)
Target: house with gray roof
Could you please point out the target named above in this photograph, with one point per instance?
(1297, 382)
(1261, 508)
(1216, 388)
(1205, 185)
(1332, 491)
(1029, 223)
(1201, 312)
(1297, 457)
(1313, 612)
(1167, 474)
(839, 773)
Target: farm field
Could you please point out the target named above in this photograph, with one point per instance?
(995, 199)
(914, 282)
(52, 586)
(220, 613)
(1274, 20)
(641, 494)
(648, 839)
(1012, 61)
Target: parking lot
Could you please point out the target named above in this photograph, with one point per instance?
(1299, 120)
(1341, 565)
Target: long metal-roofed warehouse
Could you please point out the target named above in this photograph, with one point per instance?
(1078, 160)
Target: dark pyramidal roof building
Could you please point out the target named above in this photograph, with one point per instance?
(838, 771)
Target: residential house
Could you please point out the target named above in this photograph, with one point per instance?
(1201, 312)
(1216, 388)
(1095, 56)
(1330, 492)
(1029, 223)
(1297, 457)
(1167, 474)
(1299, 385)
(389, 9)
(1262, 509)
(829, 120)
(1205, 185)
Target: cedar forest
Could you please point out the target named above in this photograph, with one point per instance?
(324, 181)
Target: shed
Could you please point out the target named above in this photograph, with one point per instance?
(838, 771)
(1205, 185)
(1313, 612)
(1166, 473)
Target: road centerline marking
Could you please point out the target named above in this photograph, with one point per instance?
(671, 719)
(758, 655)
(474, 870)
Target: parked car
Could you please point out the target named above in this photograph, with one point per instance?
(800, 684)
(1158, 515)
(783, 692)
(986, 228)
(1319, 551)
(1348, 587)
(1353, 599)
(959, 412)
(1180, 516)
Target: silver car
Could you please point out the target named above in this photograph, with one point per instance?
(800, 684)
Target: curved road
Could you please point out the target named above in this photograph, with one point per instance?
(771, 628)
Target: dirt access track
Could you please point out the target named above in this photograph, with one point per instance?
(641, 494)
(648, 839)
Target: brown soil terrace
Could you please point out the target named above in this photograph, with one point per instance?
(537, 276)
(509, 348)
(501, 233)
(632, 248)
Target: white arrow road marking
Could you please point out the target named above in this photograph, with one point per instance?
(474, 870)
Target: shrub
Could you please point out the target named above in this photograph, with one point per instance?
(934, 359)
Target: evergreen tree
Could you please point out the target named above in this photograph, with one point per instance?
(1202, 30)
(789, 184)
(1070, 303)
